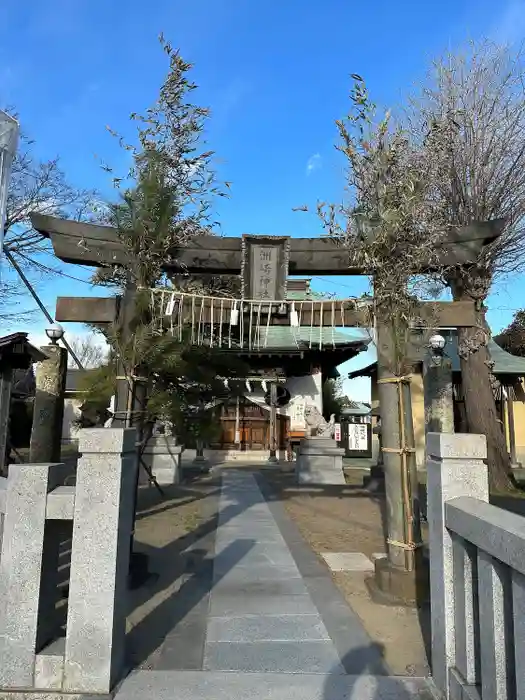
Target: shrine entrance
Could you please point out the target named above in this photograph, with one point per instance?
(246, 324)
(254, 428)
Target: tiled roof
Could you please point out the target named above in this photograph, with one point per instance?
(356, 408)
(287, 337)
(307, 295)
(507, 363)
(74, 378)
(504, 362)
(300, 290)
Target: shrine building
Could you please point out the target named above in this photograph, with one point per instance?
(301, 359)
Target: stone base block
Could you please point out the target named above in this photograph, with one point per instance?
(392, 585)
(320, 445)
(163, 456)
(320, 461)
(49, 666)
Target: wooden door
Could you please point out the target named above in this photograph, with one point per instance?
(256, 435)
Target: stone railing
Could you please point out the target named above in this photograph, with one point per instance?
(477, 555)
(38, 517)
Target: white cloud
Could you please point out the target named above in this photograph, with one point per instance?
(510, 27)
(314, 163)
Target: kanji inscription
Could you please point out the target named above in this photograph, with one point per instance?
(264, 264)
(265, 267)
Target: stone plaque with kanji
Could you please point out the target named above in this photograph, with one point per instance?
(265, 266)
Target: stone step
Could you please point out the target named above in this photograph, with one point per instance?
(226, 685)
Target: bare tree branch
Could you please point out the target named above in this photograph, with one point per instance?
(89, 350)
(468, 120)
(39, 186)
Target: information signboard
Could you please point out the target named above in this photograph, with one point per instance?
(357, 437)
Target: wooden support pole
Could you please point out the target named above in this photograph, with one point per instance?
(273, 423)
(391, 440)
(399, 574)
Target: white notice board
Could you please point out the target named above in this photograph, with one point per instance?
(357, 437)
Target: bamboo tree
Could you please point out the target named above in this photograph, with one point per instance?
(164, 200)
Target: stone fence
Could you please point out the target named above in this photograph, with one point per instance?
(38, 516)
(477, 554)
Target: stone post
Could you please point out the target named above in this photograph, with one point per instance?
(439, 400)
(28, 567)
(48, 409)
(163, 456)
(200, 459)
(103, 521)
(455, 467)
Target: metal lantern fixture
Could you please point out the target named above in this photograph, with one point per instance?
(55, 332)
(8, 145)
(437, 343)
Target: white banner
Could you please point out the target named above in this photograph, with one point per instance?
(337, 432)
(357, 437)
(8, 146)
(297, 414)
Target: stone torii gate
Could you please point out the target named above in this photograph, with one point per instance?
(264, 263)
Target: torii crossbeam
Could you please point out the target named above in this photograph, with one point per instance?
(98, 246)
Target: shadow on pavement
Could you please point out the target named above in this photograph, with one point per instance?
(365, 684)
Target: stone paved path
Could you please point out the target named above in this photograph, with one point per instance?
(275, 626)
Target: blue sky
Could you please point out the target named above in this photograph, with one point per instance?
(275, 74)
